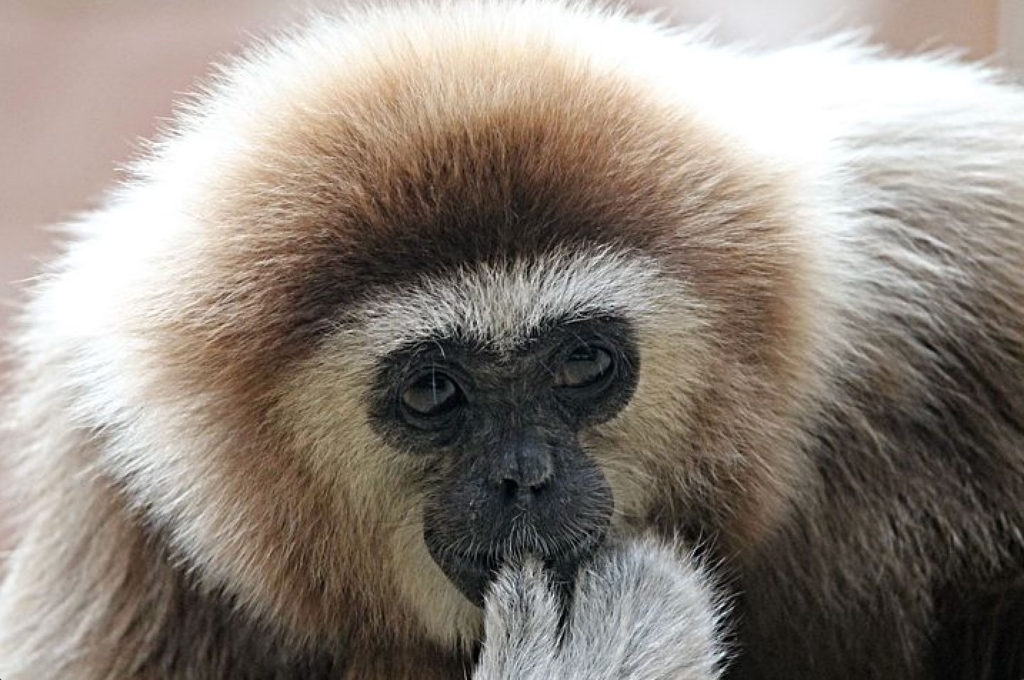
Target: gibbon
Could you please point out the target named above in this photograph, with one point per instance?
(523, 338)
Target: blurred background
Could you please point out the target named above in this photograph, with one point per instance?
(82, 81)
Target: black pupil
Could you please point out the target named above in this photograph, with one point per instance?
(431, 394)
(584, 367)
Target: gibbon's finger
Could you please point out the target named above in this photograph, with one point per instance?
(521, 626)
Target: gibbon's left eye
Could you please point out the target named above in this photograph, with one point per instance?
(587, 366)
(431, 394)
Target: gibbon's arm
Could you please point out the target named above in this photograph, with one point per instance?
(639, 612)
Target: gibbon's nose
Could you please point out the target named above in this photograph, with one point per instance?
(523, 467)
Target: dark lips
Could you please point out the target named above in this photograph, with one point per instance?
(471, 574)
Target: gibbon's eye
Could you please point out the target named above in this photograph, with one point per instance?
(431, 394)
(587, 366)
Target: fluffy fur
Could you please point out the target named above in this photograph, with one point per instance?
(821, 251)
(638, 613)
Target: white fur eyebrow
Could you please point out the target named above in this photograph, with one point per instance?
(500, 304)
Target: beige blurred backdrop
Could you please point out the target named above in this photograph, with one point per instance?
(81, 82)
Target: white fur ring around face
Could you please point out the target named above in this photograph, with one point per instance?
(640, 611)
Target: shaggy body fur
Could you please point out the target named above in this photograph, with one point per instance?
(820, 251)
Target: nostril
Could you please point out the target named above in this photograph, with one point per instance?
(512, 489)
(540, 486)
(509, 488)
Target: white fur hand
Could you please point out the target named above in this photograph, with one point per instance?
(640, 612)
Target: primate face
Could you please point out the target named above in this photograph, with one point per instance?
(501, 431)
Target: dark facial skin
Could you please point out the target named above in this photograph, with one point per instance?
(499, 434)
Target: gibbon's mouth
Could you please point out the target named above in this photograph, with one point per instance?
(473, 573)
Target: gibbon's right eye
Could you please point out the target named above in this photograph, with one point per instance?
(587, 367)
(431, 394)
